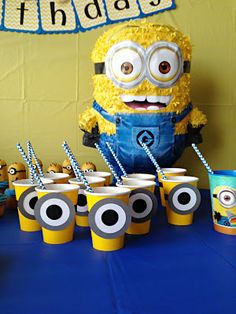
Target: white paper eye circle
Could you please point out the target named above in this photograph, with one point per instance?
(125, 64)
(142, 203)
(227, 198)
(26, 203)
(184, 199)
(68, 168)
(81, 207)
(12, 171)
(165, 64)
(109, 218)
(51, 171)
(86, 170)
(54, 211)
(90, 170)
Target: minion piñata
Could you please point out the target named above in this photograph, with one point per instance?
(142, 93)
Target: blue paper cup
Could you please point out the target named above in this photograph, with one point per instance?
(223, 200)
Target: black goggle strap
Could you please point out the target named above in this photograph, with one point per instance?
(100, 67)
(215, 195)
(15, 171)
(166, 197)
(2, 166)
(160, 184)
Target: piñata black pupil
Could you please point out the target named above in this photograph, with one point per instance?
(164, 67)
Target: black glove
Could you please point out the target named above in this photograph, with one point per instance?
(89, 139)
(194, 136)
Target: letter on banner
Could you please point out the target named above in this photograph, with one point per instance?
(122, 9)
(21, 15)
(57, 16)
(152, 6)
(91, 13)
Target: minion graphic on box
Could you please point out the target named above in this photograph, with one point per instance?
(142, 93)
(224, 204)
(223, 199)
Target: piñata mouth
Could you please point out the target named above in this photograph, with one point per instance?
(146, 102)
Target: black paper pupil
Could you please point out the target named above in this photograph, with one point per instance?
(82, 200)
(184, 198)
(110, 217)
(54, 212)
(139, 206)
(33, 201)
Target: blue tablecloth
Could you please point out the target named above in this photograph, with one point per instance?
(187, 270)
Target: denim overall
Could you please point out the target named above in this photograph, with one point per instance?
(156, 130)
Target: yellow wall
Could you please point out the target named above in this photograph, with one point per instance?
(45, 81)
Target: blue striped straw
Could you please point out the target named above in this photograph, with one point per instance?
(117, 160)
(36, 159)
(203, 160)
(108, 164)
(153, 160)
(30, 166)
(78, 173)
(30, 160)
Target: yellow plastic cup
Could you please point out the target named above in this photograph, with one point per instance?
(65, 235)
(27, 224)
(143, 227)
(101, 174)
(99, 194)
(138, 176)
(58, 178)
(81, 218)
(169, 184)
(169, 172)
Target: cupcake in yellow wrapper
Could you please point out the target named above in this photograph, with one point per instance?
(27, 198)
(142, 203)
(101, 174)
(109, 217)
(55, 212)
(169, 172)
(182, 199)
(81, 217)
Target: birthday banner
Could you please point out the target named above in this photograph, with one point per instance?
(73, 16)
